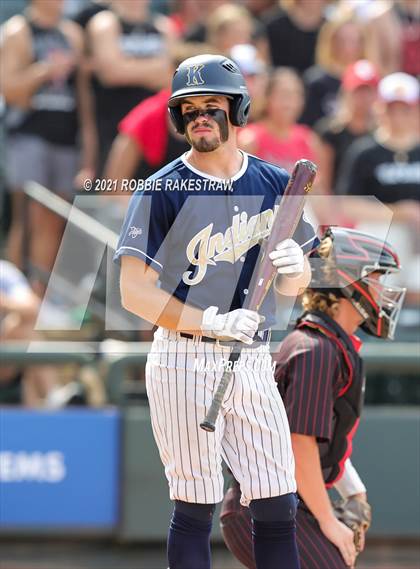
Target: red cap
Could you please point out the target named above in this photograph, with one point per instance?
(358, 74)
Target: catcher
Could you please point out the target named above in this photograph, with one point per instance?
(320, 377)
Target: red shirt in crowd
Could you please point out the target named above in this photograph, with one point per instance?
(147, 125)
(283, 152)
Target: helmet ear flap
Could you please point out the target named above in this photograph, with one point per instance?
(176, 118)
(239, 110)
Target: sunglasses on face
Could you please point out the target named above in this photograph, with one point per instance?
(191, 116)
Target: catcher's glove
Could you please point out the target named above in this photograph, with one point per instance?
(356, 514)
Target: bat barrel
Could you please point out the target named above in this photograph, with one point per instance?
(284, 226)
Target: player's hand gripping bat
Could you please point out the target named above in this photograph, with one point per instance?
(283, 227)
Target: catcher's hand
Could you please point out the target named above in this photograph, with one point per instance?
(356, 514)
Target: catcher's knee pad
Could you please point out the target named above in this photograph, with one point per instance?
(276, 509)
(201, 512)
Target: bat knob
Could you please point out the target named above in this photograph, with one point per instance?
(209, 427)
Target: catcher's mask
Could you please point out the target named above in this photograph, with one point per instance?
(346, 271)
(209, 75)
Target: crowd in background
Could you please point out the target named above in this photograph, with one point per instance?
(85, 85)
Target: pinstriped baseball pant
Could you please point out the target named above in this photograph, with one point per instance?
(252, 433)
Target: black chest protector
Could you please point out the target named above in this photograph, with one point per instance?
(348, 401)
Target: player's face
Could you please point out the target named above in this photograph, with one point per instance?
(206, 122)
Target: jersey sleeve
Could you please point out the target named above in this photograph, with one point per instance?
(306, 380)
(144, 233)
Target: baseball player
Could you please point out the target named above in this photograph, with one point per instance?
(321, 380)
(187, 249)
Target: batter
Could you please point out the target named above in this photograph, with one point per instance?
(188, 248)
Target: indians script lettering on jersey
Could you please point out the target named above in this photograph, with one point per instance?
(205, 248)
(205, 245)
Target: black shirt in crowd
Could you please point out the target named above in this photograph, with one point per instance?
(52, 115)
(370, 168)
(339, 137)
(321, 90)
(112, 103)
(289, 45)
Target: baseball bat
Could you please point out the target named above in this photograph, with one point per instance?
(283, 227)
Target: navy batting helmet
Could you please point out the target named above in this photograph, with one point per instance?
(350, 259)
(207, 75)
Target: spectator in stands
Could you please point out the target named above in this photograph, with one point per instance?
(255, 72)
(394, 38)
(18, 311)
(276, 137)
(229, 25)
(354, 118)
(387, 166)
(226, 26)
(340, 43)
(197, 34)
(45, 94)
(130, 64)
(292, 31)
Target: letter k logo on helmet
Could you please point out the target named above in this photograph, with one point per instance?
(194, 76)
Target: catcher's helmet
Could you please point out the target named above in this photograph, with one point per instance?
(346, 271)
(207, 75)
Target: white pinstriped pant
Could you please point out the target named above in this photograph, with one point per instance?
(252, 433)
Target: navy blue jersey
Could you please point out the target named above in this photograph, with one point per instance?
(202, 233)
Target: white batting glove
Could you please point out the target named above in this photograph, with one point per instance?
(288, 258)
(238, 324)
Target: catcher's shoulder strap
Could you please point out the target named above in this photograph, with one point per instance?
(316, 322)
